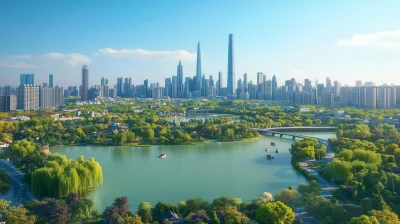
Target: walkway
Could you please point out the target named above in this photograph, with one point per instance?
(22, 192)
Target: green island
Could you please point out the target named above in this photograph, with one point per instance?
(352, 178)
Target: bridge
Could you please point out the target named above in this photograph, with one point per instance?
(281, 131)
(199, 111)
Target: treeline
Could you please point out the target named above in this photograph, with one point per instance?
(77, 209)
(365, 161)
(53, 175)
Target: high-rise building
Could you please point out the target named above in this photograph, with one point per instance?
(358, 83)
(51, 80)
(120, 87)
(198, 68)
(27, 79)
(58, 96)
(8, 103)
(245, 83)
(46, 97)
(179, 74)
(274, 87)
(27, 97)
(85, 83)
(231, 69)
(104, 81)
(127, 87)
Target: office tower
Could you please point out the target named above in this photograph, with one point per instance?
(269, 90)
(179, 74)
(168, 87)
(27, 97)
(239, 90)
(188, 80)
(245, 83)
(174, 86)
(85, 83)
(307, 85)
(120, 88)
(358, 83)
(203, 88)
(328, 84)
(104, 81)
(51, 79)
(336, 88)
(198, 68)
(27, 79)
(274, 87)
(127, 87)
(221, 80)
(46, 97)
(231, 68)
(8, 103)
(259, 78)
(320, 90)
(206, 87)
(293, 84)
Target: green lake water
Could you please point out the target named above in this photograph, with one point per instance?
(211, 170)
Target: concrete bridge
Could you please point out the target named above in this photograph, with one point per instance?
(199, 111)
(281, 131)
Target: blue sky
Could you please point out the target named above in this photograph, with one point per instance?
(344, 40)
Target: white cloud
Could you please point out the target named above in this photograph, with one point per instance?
(147, 55)
(70, 59)
(387, 39)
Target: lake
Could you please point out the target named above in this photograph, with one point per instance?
(210, 170)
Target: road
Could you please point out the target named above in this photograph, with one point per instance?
(22, 192)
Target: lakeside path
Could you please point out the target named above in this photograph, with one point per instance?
(21, 192)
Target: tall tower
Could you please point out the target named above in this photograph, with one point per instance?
(51, 79)
(85, 82)
(231, 68)
(198, 68)
(179, 74)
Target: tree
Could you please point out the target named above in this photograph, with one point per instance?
(53, 211)
(144, 211)
(274, 212)
(18, 215)
(121, 204)
(266, 197)
(385, 216)
(135, 219)
(288, 196)
(110, 215)
(364, 220)
(232, 215)
(79, 208)
(4, 204)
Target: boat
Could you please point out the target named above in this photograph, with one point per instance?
(267, 149)
(273, 143)
(163, 155)
(277, 150)
(269, 157)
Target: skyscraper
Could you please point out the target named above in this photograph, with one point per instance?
(51, 76)
(179, 74)
(198, 68)
(85, 83)
(245, 82)
(120, 86)
(27, 79)
(231, 68)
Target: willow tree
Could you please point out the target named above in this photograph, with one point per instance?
(61, 176)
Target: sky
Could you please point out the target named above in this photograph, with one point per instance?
(314, 39)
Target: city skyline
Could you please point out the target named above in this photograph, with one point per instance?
(312, 43)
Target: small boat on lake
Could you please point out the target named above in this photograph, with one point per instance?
(267, 149)
(273, 143)
(269, 157)
(277, 150)
(163, 155)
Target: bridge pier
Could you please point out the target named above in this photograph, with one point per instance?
(273, 134)
(294, 138)
(281, 135)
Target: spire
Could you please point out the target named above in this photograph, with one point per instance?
(198, 67)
